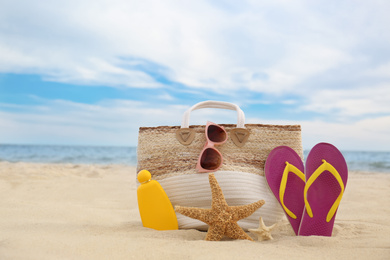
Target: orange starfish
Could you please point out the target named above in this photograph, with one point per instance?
(221, 218)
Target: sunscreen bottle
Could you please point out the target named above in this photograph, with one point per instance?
(154, 205)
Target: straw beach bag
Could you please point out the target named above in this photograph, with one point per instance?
(171, 154)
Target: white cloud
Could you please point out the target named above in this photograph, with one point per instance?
(382, 71)
(301, 64)
(201, 44)
(354, 102)
(366, 134)
(111, 122)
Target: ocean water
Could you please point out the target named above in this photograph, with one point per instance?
(68, 154)
(365, 161)
(357, 161)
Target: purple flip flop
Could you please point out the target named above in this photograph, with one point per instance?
(284, 174)
(326, 178)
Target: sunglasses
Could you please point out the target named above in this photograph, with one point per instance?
(210, 159)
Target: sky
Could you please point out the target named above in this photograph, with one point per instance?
(81, 72)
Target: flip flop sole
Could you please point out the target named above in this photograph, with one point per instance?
(293, 196)
(324, 190)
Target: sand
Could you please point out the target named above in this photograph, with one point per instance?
(63, 211)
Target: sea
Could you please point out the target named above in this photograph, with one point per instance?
(364, 161)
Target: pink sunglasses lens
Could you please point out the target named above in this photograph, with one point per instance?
(210, 159)
(216, 134)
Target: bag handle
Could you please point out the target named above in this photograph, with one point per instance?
(214, 104)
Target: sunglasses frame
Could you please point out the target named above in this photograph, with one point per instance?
(210, 145)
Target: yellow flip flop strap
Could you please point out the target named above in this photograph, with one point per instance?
(325, 166)
(283, 184)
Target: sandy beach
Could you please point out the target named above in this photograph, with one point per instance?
(64, 211)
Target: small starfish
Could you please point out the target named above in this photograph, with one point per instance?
(263, 232)
(221, 218)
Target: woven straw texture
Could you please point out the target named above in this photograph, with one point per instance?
(164, 156)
